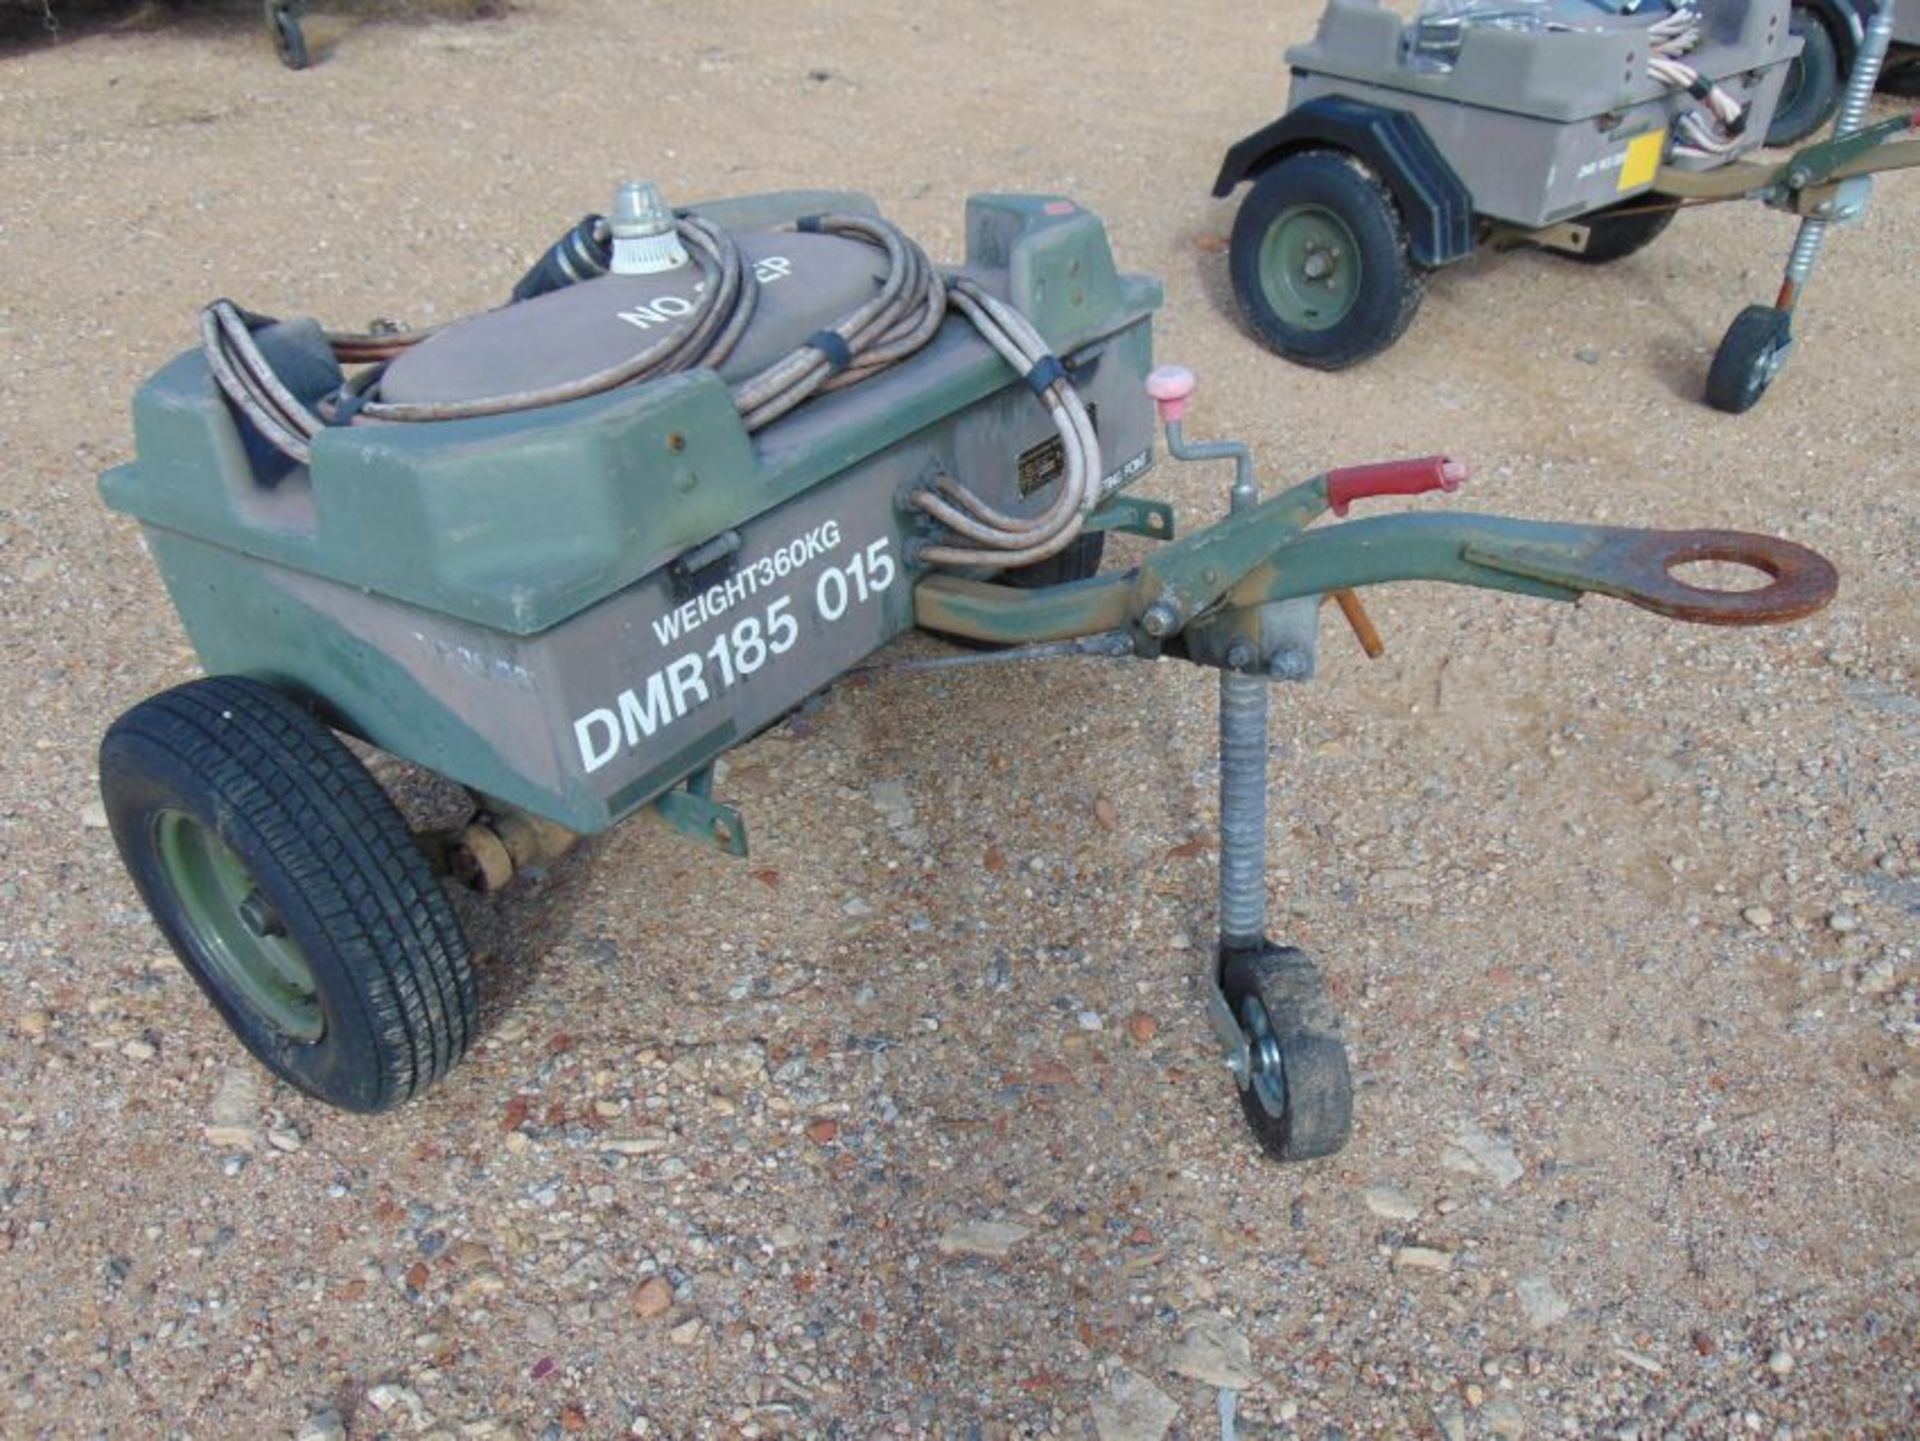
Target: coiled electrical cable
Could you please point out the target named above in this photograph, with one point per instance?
(1001, 540)
(890, 326)
(726, 302)
(900, 318)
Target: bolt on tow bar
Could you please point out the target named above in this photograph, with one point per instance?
(1244, 597)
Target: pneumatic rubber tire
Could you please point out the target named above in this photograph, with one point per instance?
(1811, 93)
(291, 889)
(289, 40)
(1612, 235)
(1748, 358)
(1320, 263)
(1301, 1107)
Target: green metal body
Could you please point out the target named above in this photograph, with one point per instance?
(574, 611)
(469, 594)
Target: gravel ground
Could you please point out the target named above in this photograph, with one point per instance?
(911, 1124)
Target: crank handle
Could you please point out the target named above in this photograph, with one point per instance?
(1172, 387)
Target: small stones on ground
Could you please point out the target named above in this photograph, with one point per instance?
(1212, 1350)
(823, 1130)
(1422, 1258)
(991, 1239)
(652, 1297)
(138, 1050)
(1089, 1020)
(1474, 1151)
(1504, 1419)
(1542, 1305)
(1638, 1361)
(477, 1287)
(93, 816)
(285, 1138)
(1878, 978)
(632, 1145)
(323, 1425)
(1105, 814)
(687, 1332)
(388, 1395)
(1142, 1027)
(1451, 1420)
(1759, 917)
(1843, 922)
(1132, 1408)
(33, 1024)
(236, 1099)
(1781, 1361)
(1390, 1202)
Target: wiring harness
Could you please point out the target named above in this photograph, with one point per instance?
(1713, 131)
(895, 322)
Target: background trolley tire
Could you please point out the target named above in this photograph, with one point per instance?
(1811, 93)
(1079, 561)
(1325, 204)
(1612, 235)
(289, 40)
(291, 889)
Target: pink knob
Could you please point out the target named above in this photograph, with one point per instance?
(1171, 387)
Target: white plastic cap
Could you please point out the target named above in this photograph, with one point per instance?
(645, 239)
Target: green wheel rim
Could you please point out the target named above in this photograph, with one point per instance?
(1310, 268)
(235, 930)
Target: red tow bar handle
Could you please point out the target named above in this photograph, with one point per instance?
(1392, 477)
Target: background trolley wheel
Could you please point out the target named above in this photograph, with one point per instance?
(291, 889)
(1299, 1093)
(1320, 264)
(1811, 92)
(1750, 355)
(1079, 561)
(289, 41)
(1620, 230)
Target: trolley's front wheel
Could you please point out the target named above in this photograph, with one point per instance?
(1297, 1093)
(1750, 355)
